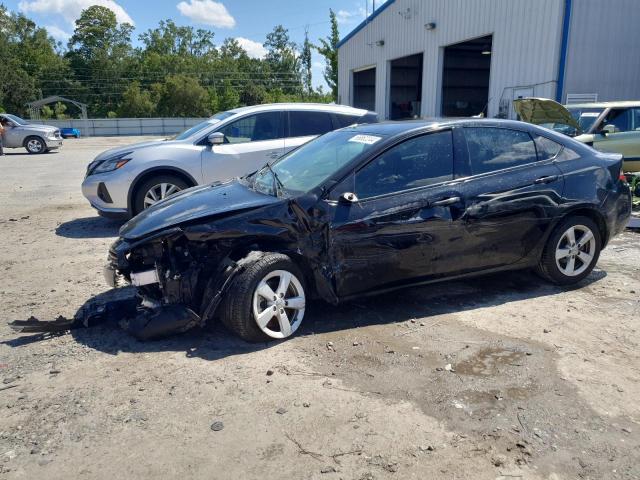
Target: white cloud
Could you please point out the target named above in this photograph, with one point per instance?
(207, 12)
(254, 49)
(70, 10)
(58, 33)
(343, 16)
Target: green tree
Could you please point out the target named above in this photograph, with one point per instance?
(170, 39)
(228, 97)
(329, 50)
(305, 62)
(136, 103)
(59, 110)
(30, 66)
(100, 53)
(46, 112)
(214, 101)
(283, 61)
(254, 95)
(183, 96)
(98, 36)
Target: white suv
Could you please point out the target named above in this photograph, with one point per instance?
(123, 181)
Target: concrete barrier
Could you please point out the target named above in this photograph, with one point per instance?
(105, 127)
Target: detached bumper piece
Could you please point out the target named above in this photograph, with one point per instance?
(154, 323)
(142, 322)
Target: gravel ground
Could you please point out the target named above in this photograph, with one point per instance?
(497, 377)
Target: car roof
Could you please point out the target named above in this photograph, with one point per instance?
(398, 127)
(323, 107)
(621, 104)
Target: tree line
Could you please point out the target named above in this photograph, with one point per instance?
(177, 71)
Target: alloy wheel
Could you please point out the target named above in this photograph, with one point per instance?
(34, 146)
(575, 250)
(159, 192)
(279, 304)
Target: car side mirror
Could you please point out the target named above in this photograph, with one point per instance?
(607, 129)
(216, 138)
(348, 198)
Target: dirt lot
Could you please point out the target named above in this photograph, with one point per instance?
(498, 377)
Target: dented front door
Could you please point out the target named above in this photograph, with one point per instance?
(402, 227)
(394, 240)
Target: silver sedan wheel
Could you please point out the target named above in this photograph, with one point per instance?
(35, 146)
(575, 250)
(159, 192)
(278, 304)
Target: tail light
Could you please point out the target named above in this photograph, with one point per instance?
(622, 177)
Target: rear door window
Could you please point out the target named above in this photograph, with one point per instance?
(307, 123)
(417, 162)
(492, 149)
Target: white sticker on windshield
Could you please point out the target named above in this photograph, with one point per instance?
(590, 114)
(368, 139)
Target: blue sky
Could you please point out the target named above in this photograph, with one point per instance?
(247, 20)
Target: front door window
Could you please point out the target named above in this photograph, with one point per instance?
(254, 128)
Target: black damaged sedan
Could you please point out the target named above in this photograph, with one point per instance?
(366, 209)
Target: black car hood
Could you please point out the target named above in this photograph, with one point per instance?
(193, 204)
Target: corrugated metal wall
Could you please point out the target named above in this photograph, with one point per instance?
(526, 46)
(604, 49)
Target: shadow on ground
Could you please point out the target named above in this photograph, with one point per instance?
(215, 342)
(8, 154)
(89, 227)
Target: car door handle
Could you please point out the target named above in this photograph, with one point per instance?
(273, 154)
(445, 202)
(547, 179)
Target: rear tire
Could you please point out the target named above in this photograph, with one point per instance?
(35, 145)
(571, 252)
(154, 187)
(266, 301)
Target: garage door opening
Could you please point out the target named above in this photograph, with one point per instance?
(465, 79)
(405, 87)
(364, 89)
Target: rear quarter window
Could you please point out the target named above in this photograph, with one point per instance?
(547, 149)
(492, 149)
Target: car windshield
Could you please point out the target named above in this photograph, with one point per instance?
(218, 117)
(309, 166)
(585, 117)
(16, 120)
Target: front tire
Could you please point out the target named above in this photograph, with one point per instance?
(35, 145)
(572, 251)
(266, 301)
(155, 189)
